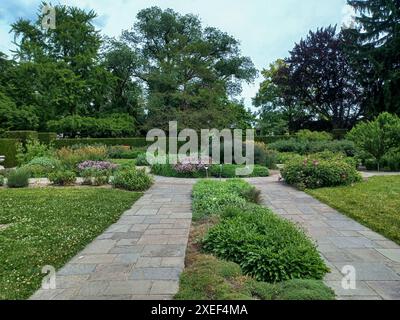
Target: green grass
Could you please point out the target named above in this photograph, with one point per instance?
(48, 227)
(124, 162)
(375, 203)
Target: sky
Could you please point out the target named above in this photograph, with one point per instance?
(266, 29)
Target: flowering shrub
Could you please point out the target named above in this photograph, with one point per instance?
(317, 173)
(71, 156)
(192, 164)
(97, 165)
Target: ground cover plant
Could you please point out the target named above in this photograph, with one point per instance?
(236, 236)
(374, 203)
(48, 227)
(132, 179)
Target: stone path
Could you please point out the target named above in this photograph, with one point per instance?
(139, 257)
(341, 242)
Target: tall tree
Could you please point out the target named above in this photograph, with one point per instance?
(374, 45)
(188, 68)
(322, 78)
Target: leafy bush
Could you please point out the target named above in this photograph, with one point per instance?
(123, 152)
(213, 197)
(95, 177)
(229, 171)
(132, 142)
(312, 136)
(23, 135)
(32, 149)
(18, 178)
(284, 157)
(376, 138)
(40, 167)
(304, 147)
(141, 160)
(8, 148)
(117, 125)
(389, 162)
(132, 180)
(47, 137)
(62, 178)
(266, 247)
(1, 181)
(97, 166)
(317, 173)
(72, 156)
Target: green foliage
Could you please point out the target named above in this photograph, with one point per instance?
(313, 136)
(49, 226)
(95, 177)
(62, 178)
(213, 197)
(8, 148)
(117, 125)
(18, 178)
(378, 137)
(265, 246)
(22, 135)
(209, 278)
(70, 157)
(308, 142)
(1, 180)
(132, 180)
(14, 118)
(123, 152)
(141, 160)
(317, 172)
(32, 149)
(47, 137)
(132, 142)
(41, 167)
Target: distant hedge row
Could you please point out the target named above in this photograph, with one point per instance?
(8, 148)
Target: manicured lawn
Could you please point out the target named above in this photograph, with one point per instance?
(374, 203)
(48, 227)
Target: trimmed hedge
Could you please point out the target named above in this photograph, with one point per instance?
(21, 135)
(271, 139)
(8, 148)
(47, 137)
(132, 142)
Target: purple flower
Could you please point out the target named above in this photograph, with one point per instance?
(192, 164)
(97, 165)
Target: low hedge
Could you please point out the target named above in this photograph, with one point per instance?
(21, 135)
(8, 148)
(132, 142)
(227, 171)
(47, 137)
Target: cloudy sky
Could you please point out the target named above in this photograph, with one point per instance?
(267, 29)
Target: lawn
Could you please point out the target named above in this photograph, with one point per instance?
(48, 227)
(375, 203)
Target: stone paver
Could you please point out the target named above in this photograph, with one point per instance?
(341, 242)
(139, 257)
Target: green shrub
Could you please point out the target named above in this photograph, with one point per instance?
(22, 136)
(213, 197)
(70, 157)
(116, 125)
(40, 167)
(1, 181)
(32, 149)
(266, 247)
(95, 177)
(141, 160)
(47, 137)
(132, 142)
(62, 178)
(390, 162)
(271, 139)
(307, 135)
(18, 178)
(284, 157)
(376, 138)
(123, 152)
(229, 171)
(317, 173)
(8, 148)
(132, 180)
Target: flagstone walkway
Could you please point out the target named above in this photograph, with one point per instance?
(139, 257)
(341, 242)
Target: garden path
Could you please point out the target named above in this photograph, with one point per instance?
(341, 242)
(139, 257)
